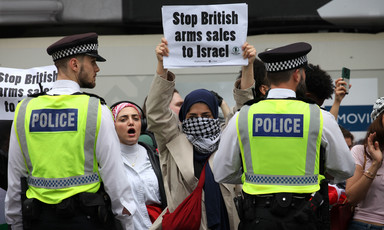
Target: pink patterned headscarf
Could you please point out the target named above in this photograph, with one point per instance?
(116, 110)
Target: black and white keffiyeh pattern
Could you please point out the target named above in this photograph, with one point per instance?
(203, 133)
(378, 108)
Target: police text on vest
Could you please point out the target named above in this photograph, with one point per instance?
(53, 120)
(278, 125)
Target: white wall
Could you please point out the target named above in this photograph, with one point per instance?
(131, 61)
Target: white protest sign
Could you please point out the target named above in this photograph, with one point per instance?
(16, 84)
(205, 35)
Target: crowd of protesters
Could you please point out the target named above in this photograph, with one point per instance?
(96, 170)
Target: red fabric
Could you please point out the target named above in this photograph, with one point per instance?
(341, 211)
(154, 211)
(341, 215)
(336, 195)
(187, 215)
(342, 199)
(333, 196)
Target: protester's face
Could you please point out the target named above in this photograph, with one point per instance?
(349, 142)
(199, 110)
(176, 103)
(263, 90)
(87, 73)
(128, 126)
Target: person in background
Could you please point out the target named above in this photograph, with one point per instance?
(259, 90)
(64, 144)
(340, 93)
(318, 83)
(320, 87)
(225, 110)
(141, 163)
(348, 136)
(185, 151)
(366, 188)
(262, 84)
(281, 181)
(341, 210)
(176, 102)
(147, 136)
(174, 105)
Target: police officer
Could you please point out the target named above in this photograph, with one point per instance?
(273, 146)
(64, 142)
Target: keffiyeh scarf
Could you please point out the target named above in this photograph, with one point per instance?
(203, 133)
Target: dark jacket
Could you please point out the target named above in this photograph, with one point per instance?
(155, 162)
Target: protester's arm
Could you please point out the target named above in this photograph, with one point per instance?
(227, 159)
(247, 75)
(161, 51)
(340, 92)
(242, 91)
(161, 120)
(111, 165)
(222, 104)
(357, 186)
(339, 162)
(16, 170)
(225, 109)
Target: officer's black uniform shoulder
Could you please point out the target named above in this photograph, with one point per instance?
(102, 101)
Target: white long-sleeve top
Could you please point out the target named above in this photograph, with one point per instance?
(107, 154)
(339, 162)
(143, 182)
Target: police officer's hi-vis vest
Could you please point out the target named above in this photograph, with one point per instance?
(280, 146)
(57, 136)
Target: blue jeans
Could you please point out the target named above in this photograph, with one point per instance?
(356, 225)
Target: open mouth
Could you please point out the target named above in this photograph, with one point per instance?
(131, 131)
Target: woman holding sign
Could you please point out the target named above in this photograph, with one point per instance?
(186, 151)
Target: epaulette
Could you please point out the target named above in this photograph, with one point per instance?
(102, 101)
(254, 101)
(38, 94)
(303, 99)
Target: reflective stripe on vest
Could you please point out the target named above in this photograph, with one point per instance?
(275, 135)
(89, 176)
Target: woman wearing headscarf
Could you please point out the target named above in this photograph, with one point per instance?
(187, 144)
(366, 187)
(141, 164)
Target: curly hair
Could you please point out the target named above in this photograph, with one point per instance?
(319, 82)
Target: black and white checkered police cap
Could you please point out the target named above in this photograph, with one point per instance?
(75, 44)
(286, 57)
(378, 108)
